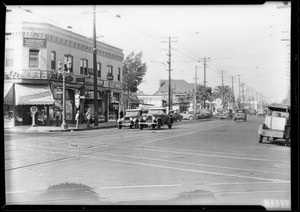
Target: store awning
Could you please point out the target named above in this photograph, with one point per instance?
(8, 94)
(33, 95)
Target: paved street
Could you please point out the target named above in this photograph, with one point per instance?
(203, 162)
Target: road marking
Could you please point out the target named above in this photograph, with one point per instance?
(199, 154)
(195, 164)
(138, 186)
(185, 169)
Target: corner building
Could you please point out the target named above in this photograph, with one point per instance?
(31, 78)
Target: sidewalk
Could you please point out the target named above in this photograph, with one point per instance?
(71, 127)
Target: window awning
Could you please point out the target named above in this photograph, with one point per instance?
(8, 94)
(33, 95)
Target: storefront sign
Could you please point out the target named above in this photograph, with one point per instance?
(25, 74)
(110, 77)
(34, 42)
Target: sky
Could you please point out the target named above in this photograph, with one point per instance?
(243, 41)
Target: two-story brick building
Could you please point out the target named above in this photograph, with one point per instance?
(31, 78)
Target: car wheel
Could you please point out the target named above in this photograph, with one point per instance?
(153, 126)
(120, 126)
(136, 125)
(130, 126)
(141, 127)
(170, 126)
(260, 139)
(191, 118)
(159, 125)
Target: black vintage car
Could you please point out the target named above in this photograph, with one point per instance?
(155, 118)
(131, 118)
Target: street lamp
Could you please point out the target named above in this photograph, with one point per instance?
(64, 73)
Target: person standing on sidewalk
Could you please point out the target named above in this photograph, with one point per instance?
(77, 119)
(88, 117)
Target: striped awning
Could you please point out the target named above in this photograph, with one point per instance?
(8, 94)
(33, 94)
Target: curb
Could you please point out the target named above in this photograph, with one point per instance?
(71, 130)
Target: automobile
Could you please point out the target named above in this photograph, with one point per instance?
(240, 114)
(187, 115)
(156, 118)
(204, 114)
(227, 114)
(176, 115)
(101, 119)
(131, 118)
(276, 124)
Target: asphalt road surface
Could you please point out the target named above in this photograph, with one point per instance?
(198, 162)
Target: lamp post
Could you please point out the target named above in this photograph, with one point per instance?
(64, 73)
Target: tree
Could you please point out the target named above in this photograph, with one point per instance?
(225, 93)
(133, 72)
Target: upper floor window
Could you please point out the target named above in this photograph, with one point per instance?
(68, 58)
(99, 70)
(53, 59)
(34, 57)
(119, 74)
(84, 66)
(109, 70)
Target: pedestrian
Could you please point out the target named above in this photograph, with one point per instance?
(77, 119)
(57, 117)
(88, 117)
(121, 114)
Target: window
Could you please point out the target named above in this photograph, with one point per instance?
(99, 70)
(9, 58)
(119, 74)
(53, 59)
(34, 58)
(109, 70)
(68, 58)
(84, 66)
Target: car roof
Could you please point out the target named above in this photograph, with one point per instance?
(278, 106)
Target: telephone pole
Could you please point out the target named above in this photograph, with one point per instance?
(233, 104)
(239, 86)
(205, 66)
(95, 69)
(195, 92)
(169, 62)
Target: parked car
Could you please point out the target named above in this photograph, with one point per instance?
(240, 114)
(276, 124)
(204, 114)
(176, 115)
(131, 118)
(260, 112)
(155, 118)
(187, 115)
(101, 118)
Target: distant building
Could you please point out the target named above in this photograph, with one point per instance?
(32, 52)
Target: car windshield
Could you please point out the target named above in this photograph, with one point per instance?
(156, 111)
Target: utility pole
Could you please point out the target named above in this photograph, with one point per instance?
(169, 62)
(205, 70)
(195, 92)
(222, 78)
(233, 104)
(239, 86)
(243, 100)
(95, 69)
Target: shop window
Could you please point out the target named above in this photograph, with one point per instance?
(53, 59)
(34, 58)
